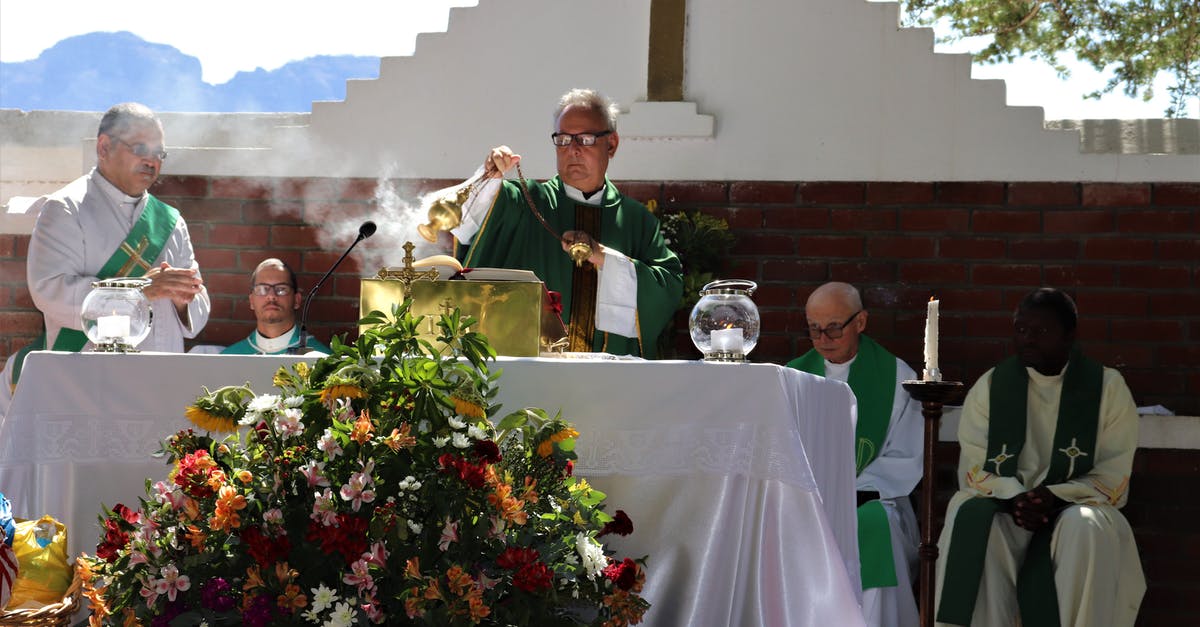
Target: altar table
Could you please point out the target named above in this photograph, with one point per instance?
(737, 476)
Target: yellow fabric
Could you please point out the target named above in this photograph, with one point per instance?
(44, 573)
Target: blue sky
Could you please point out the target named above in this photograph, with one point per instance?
(227, 36)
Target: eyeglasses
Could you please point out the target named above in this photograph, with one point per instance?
(833, 331)
(265, 289)
(143, 151)
(585, 139)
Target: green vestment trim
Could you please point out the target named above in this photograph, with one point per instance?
(133, 258)
(511, 237)
(1074, 451)
(872, 378)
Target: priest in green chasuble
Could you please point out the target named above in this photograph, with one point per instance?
(620, 299)
(888, 447)
(1047, 441)
(275, 297)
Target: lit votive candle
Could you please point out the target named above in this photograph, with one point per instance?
(727, 340)
(113, 327)
(931, 343)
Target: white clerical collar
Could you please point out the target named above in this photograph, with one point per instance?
(577, 195)
(118, 197)
(270, 345)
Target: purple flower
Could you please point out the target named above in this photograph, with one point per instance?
(214, 595)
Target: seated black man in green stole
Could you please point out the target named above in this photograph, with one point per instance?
(1047, 440)
(888, 447)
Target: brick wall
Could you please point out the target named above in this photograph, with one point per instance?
(1129, 253)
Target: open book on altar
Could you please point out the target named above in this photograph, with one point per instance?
(450, 268)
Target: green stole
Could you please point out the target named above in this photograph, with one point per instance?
(133, 258)
(1074, 437)
(873, 380)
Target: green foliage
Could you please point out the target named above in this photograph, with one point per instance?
(702, 242)
(1135, 39)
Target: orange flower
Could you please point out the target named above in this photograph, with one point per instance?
(414, 605)
(547, 446)
(196, 537)
(245, 476)
(401, 438)
(224, 520)
(470, 409)
(478, 609)
(361, 432)
(412, 569)
(284, 573)
(209, 421)
(458, 580)
(291, 600)
(229, 498)
(253, 579)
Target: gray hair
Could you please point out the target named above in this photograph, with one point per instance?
(122, 117)
(591, 100)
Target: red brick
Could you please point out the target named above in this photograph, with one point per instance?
(641, 191)
(227, 283)
(320, 212)
(794, 270)
(741, 267)
(971, 248)
(223, 307)
(21, 322)
(970, 193)
(830, 246)
(832, 193)
(244, 188)
(1183, 355)
(695, 192)
(307, 189)
(238, 235)
(902, 247)
(1166, 277)
(1122, 355)
(180, 186)
(1043, 194)
(899, 193)
(22, 246)
(933, 273)
(1119, 249)
(1154, 221)
(1111, 303)
(990, 326)
(752, 243)
(211, 259)
(1148, 330)
(319, 261)
(736, 217)
(198, 232)
(1178, 303)
(859, 272)
(213, 210)
(1043, 248)
(361, 189)
(1176, 194)
(347, 286)
(762, 192)
(1081, 275)
(1179, 249)
(295, 236)
(873, 219)
(274, 211)
(775, 296)
(22, 299)
(999, 221)
(1093, 328)
(898, 298)
(1007, 274)
(12, 271)
(1115, 195)
(796, 218)
(1143, 382)
(934, 219)
(969, 299)
(1071, 221)
(8, 245)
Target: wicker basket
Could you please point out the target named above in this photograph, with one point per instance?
(58, 614)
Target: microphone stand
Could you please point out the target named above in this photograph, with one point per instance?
(367, 229)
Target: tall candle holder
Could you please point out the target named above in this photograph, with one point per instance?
(932, 395)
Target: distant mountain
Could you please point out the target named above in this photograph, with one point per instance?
(94, 71)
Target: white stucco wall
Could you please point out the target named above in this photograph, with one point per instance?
(776, 89)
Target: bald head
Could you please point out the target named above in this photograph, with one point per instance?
(835, 309)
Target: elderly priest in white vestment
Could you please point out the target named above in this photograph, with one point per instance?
(888, 448)
(105, 225)
(1047, 441)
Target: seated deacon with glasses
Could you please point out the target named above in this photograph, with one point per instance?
(620, 298)
(105, 224)
(887, 450)
(274, 299)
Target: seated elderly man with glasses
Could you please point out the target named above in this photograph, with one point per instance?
(887, 455)
(274, 299)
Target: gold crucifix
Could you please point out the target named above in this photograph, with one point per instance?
(135, 256)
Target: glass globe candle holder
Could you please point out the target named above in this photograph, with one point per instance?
(116, 315)
(724, 324)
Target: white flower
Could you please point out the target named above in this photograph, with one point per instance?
(476, 433)
(293, 401)
(592, 554)
(323, 598)
(343, 616)
(456, 423)
(329, 445)
(250, 418)
(440, 441)
(290, 424)
(415, 526)
(460, 440)
(262, 403)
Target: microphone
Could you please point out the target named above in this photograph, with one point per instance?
(367, 229)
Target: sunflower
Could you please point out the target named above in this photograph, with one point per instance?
(220, 410)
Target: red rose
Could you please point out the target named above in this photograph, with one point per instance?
(265, 550)
(620, 525)
(487, 452)
(533, 577)
(513, 558)
(623, 574)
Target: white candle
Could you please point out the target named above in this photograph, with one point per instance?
(931, 343)
(727, 340)
(113, 327)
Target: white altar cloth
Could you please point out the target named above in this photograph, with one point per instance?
(733, 474)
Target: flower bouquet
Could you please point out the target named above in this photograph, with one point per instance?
(370, 487)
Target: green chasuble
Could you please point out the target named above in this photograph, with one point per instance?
(511, 237)
(873, 380)
(133, 258)
(248, 346)
(1074, 437)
